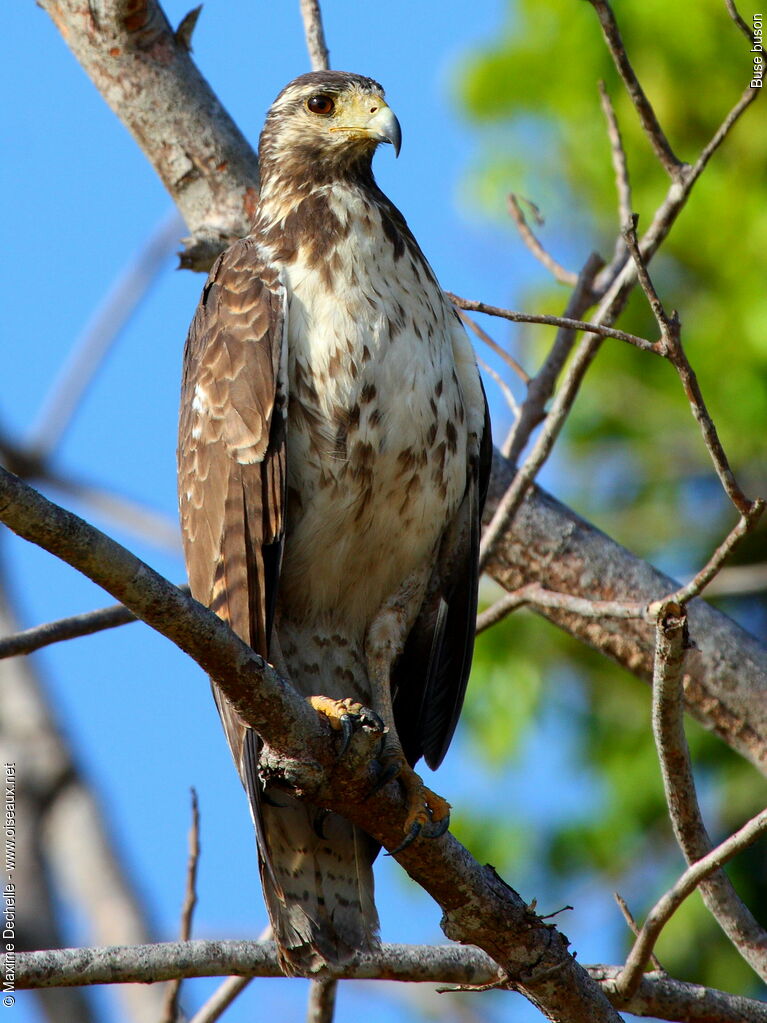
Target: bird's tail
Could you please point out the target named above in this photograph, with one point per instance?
(316, 867)
(318, 884)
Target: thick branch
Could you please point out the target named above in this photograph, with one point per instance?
(479, 908)
(657, 995)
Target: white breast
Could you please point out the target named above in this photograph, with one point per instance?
(377, 438)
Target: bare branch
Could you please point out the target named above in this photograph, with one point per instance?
(614, 299)
(441, 964)
(511, 362)
(620, 167)
(665, 908)
(507, 392)
(537, 596)
(170, 1010)
(220, 1001)
(634, 928)
(322, 1001)
(732, 10)
(720, 897)
(65, 628)
(567, 322)
(699, 582)
(556, 269)
(315, 35)
(478, 907)
(673, 166)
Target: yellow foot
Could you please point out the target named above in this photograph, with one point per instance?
(346, 716)
(428, 814)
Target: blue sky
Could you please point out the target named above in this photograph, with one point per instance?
(83, 200)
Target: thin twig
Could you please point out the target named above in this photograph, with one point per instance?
(227, 991)
(566, 322)
(537, 596)
(664, 909)
(510, 361)
(634, 927)
(699, 582)
(732, 10)
(322, 1001)
(717, 891)
(643, 107)
(620, 167)
(507, 392)
(672, 348)
(67, 628)
(170, 1012)
(541, 387)
(221, 999)
(531, 241)
(315, 35)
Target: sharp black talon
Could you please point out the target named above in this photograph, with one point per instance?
(372, 720)
(438, 829)
(347, 728)
(319, 822)
(409, 838)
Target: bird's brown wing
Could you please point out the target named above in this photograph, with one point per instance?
(429, 679)
(232, 460)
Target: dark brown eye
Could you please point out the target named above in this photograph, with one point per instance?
(321, 104)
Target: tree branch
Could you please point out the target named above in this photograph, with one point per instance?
(315, 35)
(657, 995)
(665, 908)
(479, 908)
(643, 107)
(719, 895)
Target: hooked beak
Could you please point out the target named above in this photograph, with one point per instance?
(383, 126)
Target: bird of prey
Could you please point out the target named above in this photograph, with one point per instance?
(334, 450)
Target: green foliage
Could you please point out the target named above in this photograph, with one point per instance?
(635, 459)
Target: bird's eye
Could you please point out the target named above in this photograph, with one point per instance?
(321, 104)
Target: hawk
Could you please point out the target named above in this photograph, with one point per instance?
(334, 450)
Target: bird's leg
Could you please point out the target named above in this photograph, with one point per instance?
(428, 814)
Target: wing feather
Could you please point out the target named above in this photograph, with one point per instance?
(430, 677)
(232, 459)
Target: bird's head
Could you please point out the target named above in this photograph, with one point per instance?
(326, 124)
